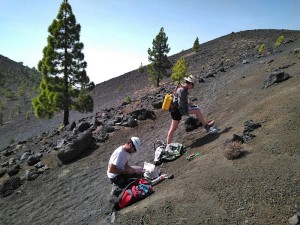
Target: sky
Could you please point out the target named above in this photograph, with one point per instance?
(118, 33)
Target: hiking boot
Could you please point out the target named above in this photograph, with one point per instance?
(213, 130)
(209, 124)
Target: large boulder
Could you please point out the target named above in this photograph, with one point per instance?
(9, 185)
(191, 123)
(143, 114)
(276, 77)
(78, 146)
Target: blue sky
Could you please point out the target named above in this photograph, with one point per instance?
(117, 34)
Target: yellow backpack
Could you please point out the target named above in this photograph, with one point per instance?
(167, 102)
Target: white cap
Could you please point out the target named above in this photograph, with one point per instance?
(137, 143)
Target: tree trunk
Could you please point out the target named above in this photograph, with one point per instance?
(66, 92)
(66, 117)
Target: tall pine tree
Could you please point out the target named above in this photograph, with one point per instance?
(65, 84)
(196, 45)
(158, 57)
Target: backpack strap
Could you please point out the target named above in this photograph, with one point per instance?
(124, 189)
(174, 92)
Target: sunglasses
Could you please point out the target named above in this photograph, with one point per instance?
(133, 146)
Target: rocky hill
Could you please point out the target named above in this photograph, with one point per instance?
(236, 86)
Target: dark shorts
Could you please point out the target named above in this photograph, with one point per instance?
(123, 180)
(176, 115)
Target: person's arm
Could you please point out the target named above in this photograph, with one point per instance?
(114, 169)
(128, 169)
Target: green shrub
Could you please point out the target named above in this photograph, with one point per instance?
(11, 114)
(11, 141)
(141, 68)
(18, 109)
(8, 93)
(227, 60)
(262, 49)
(179, 71)
(127, 100)
(279, 41)
(27, 116)
(120, 88)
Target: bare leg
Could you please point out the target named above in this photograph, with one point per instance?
(173, 127)
(199, 115)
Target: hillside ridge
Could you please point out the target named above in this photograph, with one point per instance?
(261, 187)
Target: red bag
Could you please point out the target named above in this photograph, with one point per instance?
(134, 192)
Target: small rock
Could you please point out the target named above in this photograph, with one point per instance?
(294, 220)
(31, 174)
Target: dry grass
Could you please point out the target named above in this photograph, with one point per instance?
(233, 150)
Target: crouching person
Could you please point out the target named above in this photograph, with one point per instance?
(119, 171)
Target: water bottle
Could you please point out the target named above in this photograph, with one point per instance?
(158, 180)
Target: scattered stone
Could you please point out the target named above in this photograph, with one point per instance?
(157, 104)
(143, 114)
(237, 138)
(102, 137)
(130, 122)
(2, 172)
(96, 122)
(72, 126)
(25, 156)
(191, 123)
(5, 164)
(60, 143)
(276, 77)
(39, 165)
(296, 50)
(9, 185)
(33, 159)
(294, 220)
(11, 161)
(248, 136)
(109, 129)
(31, 174)
(8, 152)
(84, 126)
(245, 61)
(250, 125)
(13, 170)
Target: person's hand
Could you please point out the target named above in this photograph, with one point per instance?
(129, 170)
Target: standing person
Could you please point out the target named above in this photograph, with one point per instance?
(183, 107)
(118, 170)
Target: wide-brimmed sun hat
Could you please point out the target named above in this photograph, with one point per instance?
(190, 79)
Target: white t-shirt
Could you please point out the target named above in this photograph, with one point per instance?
(119, 159)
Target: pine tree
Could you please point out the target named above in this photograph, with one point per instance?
(141, 69)
(158, 57)
(196, 45)
(65, 84)
(179, 71)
